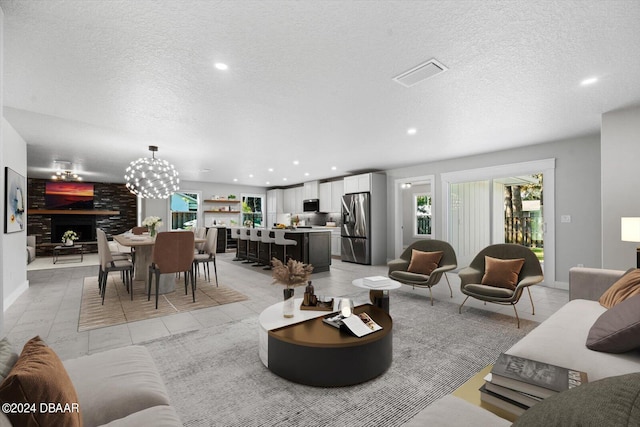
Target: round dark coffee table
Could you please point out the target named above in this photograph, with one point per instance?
(313, 353)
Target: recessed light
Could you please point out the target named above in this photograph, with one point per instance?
(235, 179)
(284, 179)
(267, 183)
(270, 169)
(306, 174)
(250, 175)
(412, 131)
(333, 168)
(295, 162)
(589, 81)
(220, 66)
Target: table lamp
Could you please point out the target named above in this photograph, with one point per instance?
(630, 232)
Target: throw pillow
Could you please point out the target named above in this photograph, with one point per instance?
(39, 377)
(501, 273)
(626, 286)
(617, 330)
(8, 358)
(613, 401)
(424, 262)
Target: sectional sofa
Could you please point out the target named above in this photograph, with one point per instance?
(561, 340)
(115, 388)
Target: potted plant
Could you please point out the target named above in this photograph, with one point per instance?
(69, 237)
(153, 223)
(292, 274)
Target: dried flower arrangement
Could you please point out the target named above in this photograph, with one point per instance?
(292, 274)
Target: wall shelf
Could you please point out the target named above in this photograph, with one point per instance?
(70, 212)
(223, 212)
(222, 201)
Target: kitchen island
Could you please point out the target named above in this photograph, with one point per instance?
(313, 247)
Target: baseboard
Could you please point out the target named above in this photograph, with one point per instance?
(11, 298)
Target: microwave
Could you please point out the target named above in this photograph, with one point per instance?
(311, 205)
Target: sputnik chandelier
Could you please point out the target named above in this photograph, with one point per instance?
(152, 178)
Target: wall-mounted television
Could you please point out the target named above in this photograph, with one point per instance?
(68, 195)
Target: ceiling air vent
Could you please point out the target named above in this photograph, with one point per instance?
(419, 73)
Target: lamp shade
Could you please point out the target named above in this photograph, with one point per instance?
(630, 229)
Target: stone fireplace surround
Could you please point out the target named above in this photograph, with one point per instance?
(107, 197)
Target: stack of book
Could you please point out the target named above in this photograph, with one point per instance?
(515, 384)
(376, 281)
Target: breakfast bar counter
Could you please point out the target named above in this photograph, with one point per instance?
(313, 247)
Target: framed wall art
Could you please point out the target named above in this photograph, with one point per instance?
(15, 191)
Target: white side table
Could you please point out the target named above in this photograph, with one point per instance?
(380, 294)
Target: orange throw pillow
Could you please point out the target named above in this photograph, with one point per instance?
(502, 273)
(424, 262)
(39, 377)
(626, 286)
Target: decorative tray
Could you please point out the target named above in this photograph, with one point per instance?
(320, 306)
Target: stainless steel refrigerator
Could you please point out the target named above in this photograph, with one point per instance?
(356, 228)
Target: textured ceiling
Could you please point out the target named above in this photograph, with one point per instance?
(96, 82)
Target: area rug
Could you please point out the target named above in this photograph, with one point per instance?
(215, 377)
(118, 307)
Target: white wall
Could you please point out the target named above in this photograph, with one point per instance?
(577, 194)
(620, 154)
(14, 256)
(160, 207)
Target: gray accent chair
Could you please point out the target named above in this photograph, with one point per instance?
(398, 267)
(530, 274)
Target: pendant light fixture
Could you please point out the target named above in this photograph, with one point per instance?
(152, 178)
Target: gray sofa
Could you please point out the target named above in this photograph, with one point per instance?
(559, 340)
(31, 248)
(119, 388)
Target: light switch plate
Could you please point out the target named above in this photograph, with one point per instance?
(565, 218)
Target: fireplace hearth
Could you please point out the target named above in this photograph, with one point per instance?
(83, 225)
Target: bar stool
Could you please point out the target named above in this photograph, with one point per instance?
(266, 238)
(280, 240)
(235, 234)
(244, 237)
(255, 237)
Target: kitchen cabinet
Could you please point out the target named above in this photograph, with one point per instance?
(275, 201)
(299, 197)
(330, 194)
(337, 191)
(357, 183)
(324, 194)
(310, 190)
(335, 244)
(289, 200)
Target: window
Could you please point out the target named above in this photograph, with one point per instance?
(184, 211)
(252, 210)
(422, 214)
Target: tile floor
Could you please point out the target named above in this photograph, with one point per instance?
(51, 306)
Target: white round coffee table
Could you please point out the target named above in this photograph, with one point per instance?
(379, 295)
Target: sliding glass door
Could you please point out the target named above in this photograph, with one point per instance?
(503, 204)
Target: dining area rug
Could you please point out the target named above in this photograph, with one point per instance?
(118, 307)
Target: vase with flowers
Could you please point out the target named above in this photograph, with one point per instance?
(292, 274)
(153, 223)
(69, 237)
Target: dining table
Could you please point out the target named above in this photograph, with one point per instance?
(143, 245)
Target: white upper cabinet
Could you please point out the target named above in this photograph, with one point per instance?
(299, 197)
(337, 191)
(310, 190)
(325, 197)
(357, 183)
(275, 201)
(289, 202)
